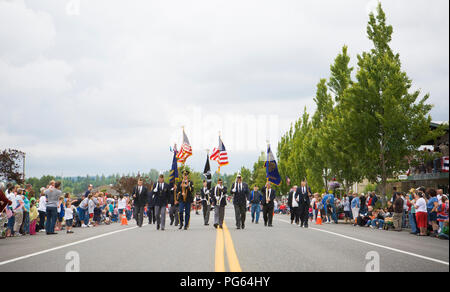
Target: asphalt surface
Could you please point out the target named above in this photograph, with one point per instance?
(284, 247)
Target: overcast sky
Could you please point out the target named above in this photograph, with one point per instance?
(94, 86)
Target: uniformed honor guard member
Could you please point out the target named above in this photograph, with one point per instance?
(185, 191)
(206, 202)
(174, 207)
(161, 195)
(219, 201)
(240, 193)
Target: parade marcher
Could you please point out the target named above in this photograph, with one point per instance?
(293, 206)
(173, 207)
(140, 194)
(206, 202)
(151, 208)
(219, 201)
(268, 204)
(161, 195)
(197, 203)
(185, 197)
(302, 198)
(240, 193)
(255, 204)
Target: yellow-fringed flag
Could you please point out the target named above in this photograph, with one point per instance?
(185, 150)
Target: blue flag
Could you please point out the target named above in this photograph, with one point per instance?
(174, 171)
(272, 173)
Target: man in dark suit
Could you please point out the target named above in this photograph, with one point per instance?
(219, 201)
(160, 200)
(151, 208)
(293, 206)
(173, 208)
(302, 197)
(140, 194)
(206, 202)
(185, 191)
(240, 193)
(268, 205)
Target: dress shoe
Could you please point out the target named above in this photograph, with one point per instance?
(181, 227)
(157, 227)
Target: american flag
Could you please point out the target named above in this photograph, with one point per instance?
(185, 150)
(220, 154)
(445, 164)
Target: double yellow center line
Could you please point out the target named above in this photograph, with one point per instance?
(225, 242)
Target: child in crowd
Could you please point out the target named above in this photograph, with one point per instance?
(68, 216)
(33, 217)
(347, 211)
(97, 215)
(91, 207)
(329, 211)
(60, 216)
(442, 215)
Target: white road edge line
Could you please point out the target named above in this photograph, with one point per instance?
(64, 246)
(377, 245)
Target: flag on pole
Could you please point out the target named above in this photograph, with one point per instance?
(207, 172)
(185, 150)
(445, 164)
(220, 154)
(174, 171)
(272, 173)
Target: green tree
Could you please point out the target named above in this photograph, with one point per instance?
(316, 147)
(384, 118)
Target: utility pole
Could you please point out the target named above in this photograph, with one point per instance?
(23, 166)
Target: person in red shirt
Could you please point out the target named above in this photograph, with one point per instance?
(3, 203)
(3, 199)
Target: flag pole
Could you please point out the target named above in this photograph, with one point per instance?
(267, 156)
(182, 127)
(218, 169)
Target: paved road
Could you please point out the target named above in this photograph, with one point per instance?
(284, 247)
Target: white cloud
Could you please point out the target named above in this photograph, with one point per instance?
(99, 91)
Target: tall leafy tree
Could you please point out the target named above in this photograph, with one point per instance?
(383, 117)
(342, 157)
